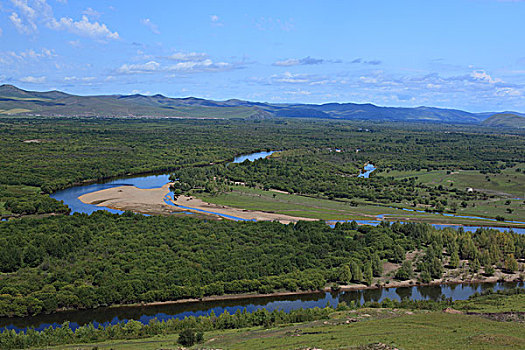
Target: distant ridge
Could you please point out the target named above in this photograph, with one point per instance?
(15, 101)
(510, 120)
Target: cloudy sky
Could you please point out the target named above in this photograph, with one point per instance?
(467, 54)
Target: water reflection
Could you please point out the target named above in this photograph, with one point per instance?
(369, 168)
(253, 156)
(114, 315)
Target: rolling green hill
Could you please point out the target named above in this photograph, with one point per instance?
(505, 120)
(56, 103)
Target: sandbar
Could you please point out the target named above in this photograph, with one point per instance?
(152, 201)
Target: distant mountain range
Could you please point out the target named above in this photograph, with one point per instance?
(15, 101)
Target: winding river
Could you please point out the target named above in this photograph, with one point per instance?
(112, 315)
(70, 197)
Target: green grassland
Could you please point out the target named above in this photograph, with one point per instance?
(509, 182)
(325, 209)
(509, 185)
(434, 330)
(493, 303)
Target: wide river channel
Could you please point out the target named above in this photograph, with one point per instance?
(112, 315)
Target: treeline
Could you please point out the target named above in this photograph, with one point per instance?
(86, 261)
(10, 339)
(134, 329)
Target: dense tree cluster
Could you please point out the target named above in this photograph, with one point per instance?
(84, 261)
(313, 173)
(27, 200)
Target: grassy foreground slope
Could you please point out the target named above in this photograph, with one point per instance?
(436, 330)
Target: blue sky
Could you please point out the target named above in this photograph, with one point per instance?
(467, 54)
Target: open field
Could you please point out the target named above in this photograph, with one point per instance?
(324, 209)
(509, 183)
(493, 303)
(420, 331)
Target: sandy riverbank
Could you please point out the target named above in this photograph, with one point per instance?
(151, 201)
(148, 201)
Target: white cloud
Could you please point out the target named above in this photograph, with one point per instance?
(483, 76)
(192, 62)
(298, 93)
(287, 63)
(1, 31)
(151, 26)
(74, 43)
(30, 54)
(31, 12)
(83, 27)
(474, 90)
(206, 65)
(91, 13)
(33, 80)
(368, 80)
(44, 53)
(148, 67)
(81, 79)
(136, 91)
(20, 26)
(299, 61)
(215, 21)
(192, 56)
(291, 78)
(26, 19)
(508, 92)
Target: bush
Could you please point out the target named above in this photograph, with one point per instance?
(187, 337)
